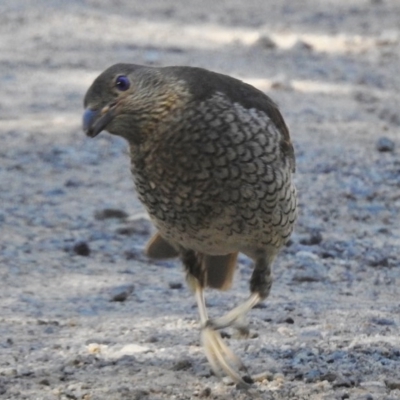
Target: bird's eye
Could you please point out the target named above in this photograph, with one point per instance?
(122, 83)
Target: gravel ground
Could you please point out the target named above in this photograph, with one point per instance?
(84, 315)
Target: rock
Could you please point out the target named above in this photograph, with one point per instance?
(140, 226)
(384, 144)
(81, 249)
(392, 384)
(206, 392)
(182, 365)
(382, 321)
(265, 42)
(8, 372)
(121, 293)
(314, 238)
(108, 213)
(175, 285)
(343, 382)
(375, 258)
(329, 376)
(152, 339)
(289, 320)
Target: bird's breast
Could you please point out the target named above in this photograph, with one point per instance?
(217, 181)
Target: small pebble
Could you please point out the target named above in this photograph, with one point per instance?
(175, 285)
(152, 339)
(314, 238)
(265, 42)
(384, 144)
(182, 365)
(82, 249)
(206, 392)
(329, 376)
(289, 320)
(121, 293)
(343, 382)
(140, 226)
(392, 384)
(382, 321)
(108, 213)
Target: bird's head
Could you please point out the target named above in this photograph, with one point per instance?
(129, 100)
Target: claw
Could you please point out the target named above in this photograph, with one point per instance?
(221, 357)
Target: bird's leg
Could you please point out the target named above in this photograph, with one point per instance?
(236, 317)
(260, 285)
(218, 354)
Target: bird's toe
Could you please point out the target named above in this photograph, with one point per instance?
(222, 358)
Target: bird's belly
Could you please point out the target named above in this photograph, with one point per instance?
(225, 233)
(221, 217)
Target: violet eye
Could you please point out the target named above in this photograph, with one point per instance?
(122, 83)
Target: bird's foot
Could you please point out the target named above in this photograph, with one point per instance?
(222, 358)
(240, 325)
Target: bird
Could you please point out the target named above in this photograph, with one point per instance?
(213, 162)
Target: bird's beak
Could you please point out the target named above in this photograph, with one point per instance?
(94, 121)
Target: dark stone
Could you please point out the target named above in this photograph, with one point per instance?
(392, 384)
(343, 382)
(50, 322)
(329, 376)
(265, 42)
(175, 285)
(382, 321)
(288, 320)
(314, 238)
(248, 379)
(72, 183)
(206, 392)
(261, 306)
(108, 213)
(152, 339)
(384, 144)
(121, 293)
(182, 365)
(375, 258)
(132, 255)
(81, 249)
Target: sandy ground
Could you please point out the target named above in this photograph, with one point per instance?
(84, 315)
